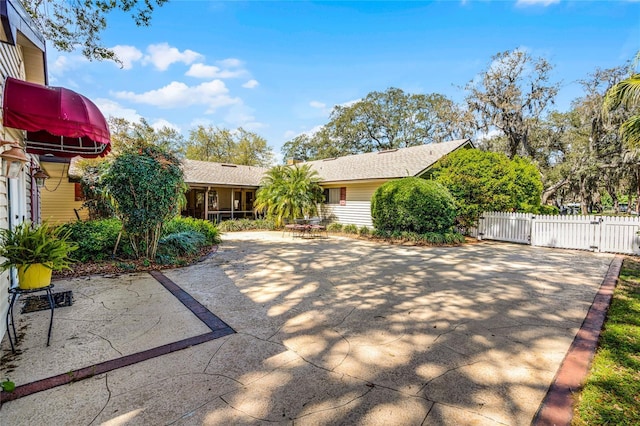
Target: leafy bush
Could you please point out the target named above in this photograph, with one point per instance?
(414, 205)
(488, 181)
(364, 231)
(236, 225)
(350, 229)
(181, 243)
(147, 186)
(94, 191)
(546, 209)
(96, 239)
(334, 227)
(180, 224)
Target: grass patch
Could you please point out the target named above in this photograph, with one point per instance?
(611, 394)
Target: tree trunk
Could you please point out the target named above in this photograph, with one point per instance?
(547, 193)
(585, 199)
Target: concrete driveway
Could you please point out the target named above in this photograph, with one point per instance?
(342, 331)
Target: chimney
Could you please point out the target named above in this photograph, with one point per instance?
(292, 161)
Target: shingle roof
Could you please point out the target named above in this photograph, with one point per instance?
(384, 164)
(209, 173)
(375, 165)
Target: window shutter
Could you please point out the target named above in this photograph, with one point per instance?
(343, 196)
(78, 192)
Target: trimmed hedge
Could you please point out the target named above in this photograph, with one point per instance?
(413, 205)
(235, 225)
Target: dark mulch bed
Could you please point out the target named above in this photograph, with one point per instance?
(123, 266)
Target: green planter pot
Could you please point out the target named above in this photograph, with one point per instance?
(35, 276)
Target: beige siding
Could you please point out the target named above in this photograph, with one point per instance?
(58, 196)
(357, 208)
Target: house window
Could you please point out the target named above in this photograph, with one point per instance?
(335, 196)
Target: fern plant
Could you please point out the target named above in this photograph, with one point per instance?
(29, 244)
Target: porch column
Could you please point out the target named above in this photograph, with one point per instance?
(206, 204)
(233, 194)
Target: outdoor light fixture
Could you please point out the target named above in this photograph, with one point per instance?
(40, 176)
(13, 160)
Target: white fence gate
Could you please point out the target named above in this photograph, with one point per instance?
(611, 234)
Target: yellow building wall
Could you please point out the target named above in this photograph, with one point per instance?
(58, 196)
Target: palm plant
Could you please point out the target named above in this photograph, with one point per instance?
(626, 93)
(289, 192)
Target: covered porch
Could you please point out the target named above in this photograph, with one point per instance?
(217, 203)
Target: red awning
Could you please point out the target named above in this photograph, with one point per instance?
(58, 121)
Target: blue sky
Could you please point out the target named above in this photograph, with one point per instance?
(277, 68)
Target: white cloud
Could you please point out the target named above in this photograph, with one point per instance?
(213, 94)
(349, 103)
(160, 123)
(313, 130)
(205, 122)
(63, 64)
(111, 108)
(316, 104)
(290, 134)
(162, 56)
(544, 3)
(251, 84)
(128, 55)
(240, 115)
(200, 70)
(230, 63)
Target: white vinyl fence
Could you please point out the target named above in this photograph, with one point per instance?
(611, 234)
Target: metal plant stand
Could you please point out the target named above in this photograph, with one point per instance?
(17, 291)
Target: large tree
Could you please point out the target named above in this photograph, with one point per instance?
(511, 96)
(383, 120)
(228, 146)
(70, 24)
(126, 134)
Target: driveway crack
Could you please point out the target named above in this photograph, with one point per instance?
(106, 340)
(106, 384)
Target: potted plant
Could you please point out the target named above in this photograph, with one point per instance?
(35, 250)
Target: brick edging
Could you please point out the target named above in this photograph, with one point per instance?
(218, 329)
(557, 406)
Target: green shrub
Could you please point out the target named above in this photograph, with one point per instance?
(350, 229)
(181, 243)
(382, 234)
(546, 209)
(189, 224)
(96, 239)
(364, 231)
(334, 227)
(414, 205)
(236, 225)
(488, 181)
(146, 183)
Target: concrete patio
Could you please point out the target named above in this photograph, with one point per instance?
(327, 331)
